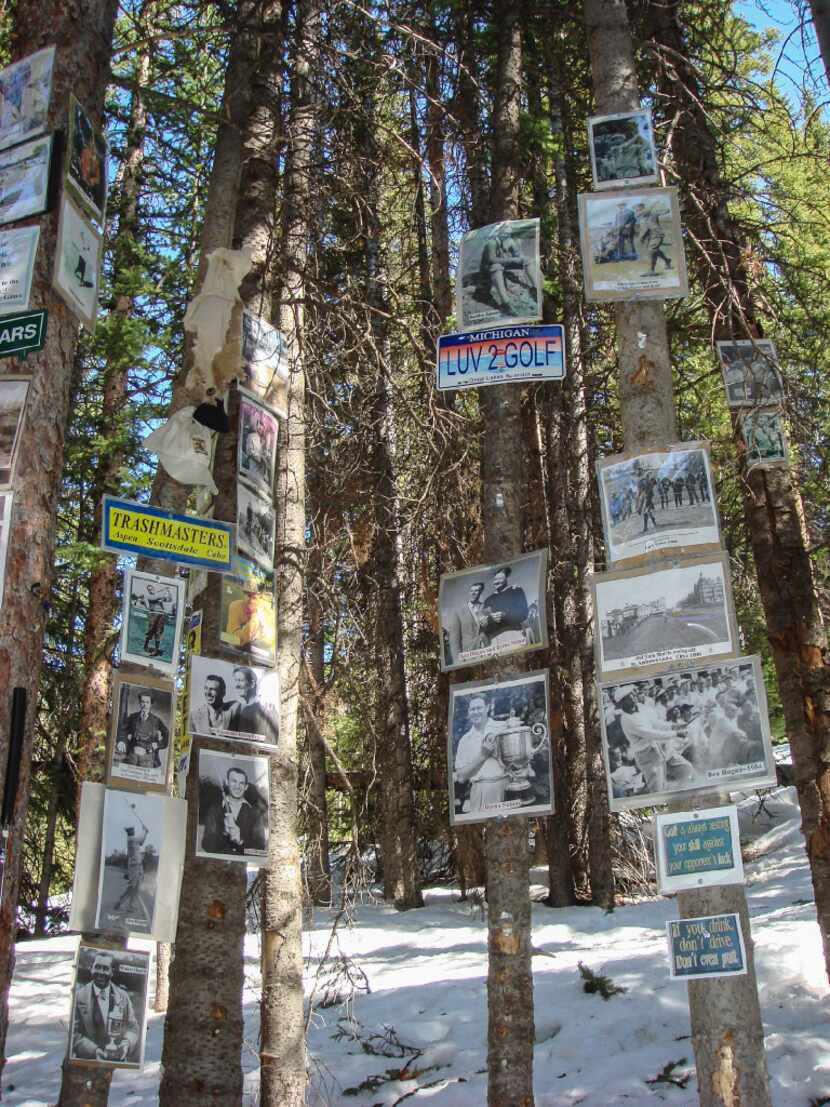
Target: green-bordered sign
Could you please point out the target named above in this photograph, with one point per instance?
(20, 334)
(144, 531)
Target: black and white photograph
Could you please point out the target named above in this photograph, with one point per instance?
(109, 1007)
(87, 153)
(698, 729)
(765, 438)
(255, 521)
(152, 617)
(622, 149)
(499, 275)
(234, 702)
(233, 807)
(142, 724)
(249, 617)
(632, 245)
(131, 840)
(660, 500)
(265, 362)
(493, 610)
(18, 249)
(498, 753)
(6, 505)
(24, 179)
(13, 392)
(25, 90)
(77, 263)
(751, 374)
(656, 617)
(258, 435)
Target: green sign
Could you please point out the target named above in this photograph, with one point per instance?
(20, 334)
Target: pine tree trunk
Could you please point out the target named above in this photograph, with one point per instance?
(820, 10)
(164, 958)
(318, 872)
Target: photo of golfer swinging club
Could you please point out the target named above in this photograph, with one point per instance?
(499, 276)
(130, 843)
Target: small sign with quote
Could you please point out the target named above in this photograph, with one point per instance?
(712, 945)
(21, 334)
(695, 849)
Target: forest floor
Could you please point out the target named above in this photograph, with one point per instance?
(419, 1034)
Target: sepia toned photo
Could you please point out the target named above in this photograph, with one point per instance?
(258, 435)
(493, 610)
(18, 249)
(13, 392)
(233, 807)
(87, 153)
(255, 526)
(657, 617)
(622, 149)
(109, 1007)
(24, 179)
(265, 362)
(750, 373)
(131, 840)
(25, 90)
(698, 729)
(249, 617)
(659, 500)
(233, 701)
(499, 278)
(499, 761)
(152, 617)
(632, 245)
(142, 722)
(765, 438)
(77, 263)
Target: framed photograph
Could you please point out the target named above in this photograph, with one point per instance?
(6, 506)
(18, 250)
(131, 841)
(622, 149)
(249, 616)
(705, 947)
(650, 618)
(13, 392)
(750, 373)
(765, 438)
(77, 263)
(632, 245)
(152, 617)
(265, 362)
(697, 849)
(142, 722)
(233, 807)
(25, 90)
(661, 500)
(24, 179)
(257, 445)
(690, 730)
(256, 521)
(499, 275)
(235, 702)
(498, 752)
(87, 153)
(115, 981)
(493, 610)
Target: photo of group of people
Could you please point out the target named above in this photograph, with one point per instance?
(235, 702)
(255, 526)
(765, 438)
(622, 149)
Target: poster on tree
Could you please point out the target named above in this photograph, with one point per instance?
(109, 1007)
(499, 275)
(25, 90)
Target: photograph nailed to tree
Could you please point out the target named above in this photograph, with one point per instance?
(131, 839)
(109, 1007)
(765, 438)
(622, 149)
(499, 280)
(750, 373)
(233, 807)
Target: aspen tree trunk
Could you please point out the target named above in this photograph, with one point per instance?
(772, 504)
(82, 33)
(727, 1034)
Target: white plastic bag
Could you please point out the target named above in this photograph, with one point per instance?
(183, 447)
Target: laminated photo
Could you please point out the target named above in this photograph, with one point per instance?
(152, 617)
(24, 179)
(109, 1007)
(77, 263)
(660, 500)
(86, 161)
(131, 842)
(689, 730)
(13, 392)
(235, 702)
(498, 755)
(632, 245)
(765, 438)
(257, 450)
(750, 373)
(650, 618)
(18, 249)
(499, 278)
(622, 149)
(233, 807)
(493, 610)
(255, 526)
(265, 362)
(249, 617)
(25, 90)
(142, 722)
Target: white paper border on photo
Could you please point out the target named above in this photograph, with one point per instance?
(645, 288)
(658, 661)
(141, 1017)
(767, 350)
(727, 874)
(476, 657)
(240, 760)
(497, 318)
(508, 808)
(138, 777)
(39, 201)
(72, 219)
(623, 182)
(706, 975)
(265, 561)
(680, 540)
(733, 781)
(23, 241)
(179, 585)
(114, 796)
(779, 460)
(7, 471)
(27, 126)
(257, 484)
(199, 662)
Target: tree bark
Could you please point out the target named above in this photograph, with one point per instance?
(820, 10)
(318, 871)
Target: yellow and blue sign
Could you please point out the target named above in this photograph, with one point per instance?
(502, 355)
(143, 531)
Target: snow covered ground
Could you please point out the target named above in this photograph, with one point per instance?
(426, 971)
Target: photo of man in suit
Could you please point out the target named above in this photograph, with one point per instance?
(105, 1027)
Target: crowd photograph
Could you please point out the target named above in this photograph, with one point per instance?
(622, 149)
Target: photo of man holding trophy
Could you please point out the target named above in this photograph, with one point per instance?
(499, 749)
(108, 1018)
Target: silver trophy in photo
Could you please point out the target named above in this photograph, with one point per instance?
(516, 748)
